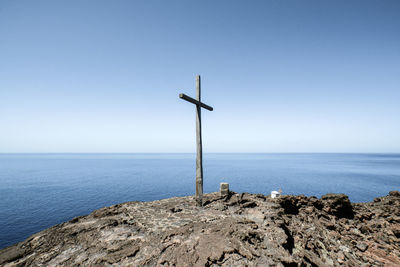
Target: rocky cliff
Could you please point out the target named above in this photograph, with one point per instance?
(235, 230)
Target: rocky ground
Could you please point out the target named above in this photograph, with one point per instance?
(236, 230)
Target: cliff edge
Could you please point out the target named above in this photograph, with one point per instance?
(235, 230)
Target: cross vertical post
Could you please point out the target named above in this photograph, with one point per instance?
(199, 155)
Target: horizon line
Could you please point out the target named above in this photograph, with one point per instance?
(4, 153)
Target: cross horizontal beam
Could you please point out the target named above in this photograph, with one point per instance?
(196, 102)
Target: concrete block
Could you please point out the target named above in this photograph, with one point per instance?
(224, 189)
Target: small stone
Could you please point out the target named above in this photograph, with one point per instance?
(309, 209)
(344, 249)
(340, 257)
(362, 246)
(365, 229)
(355, 231)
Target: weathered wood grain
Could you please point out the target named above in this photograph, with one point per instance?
(199, 156)
(194, 101)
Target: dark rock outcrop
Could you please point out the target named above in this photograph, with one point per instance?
(338, 205)
(234, 230)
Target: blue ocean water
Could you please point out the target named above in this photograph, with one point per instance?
(40, 190)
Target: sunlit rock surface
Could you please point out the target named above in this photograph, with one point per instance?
(235, 230)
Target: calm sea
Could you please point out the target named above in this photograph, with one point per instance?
(41, 190)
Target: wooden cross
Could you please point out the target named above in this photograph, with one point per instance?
(199, 157)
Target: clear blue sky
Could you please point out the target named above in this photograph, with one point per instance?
(282, 76)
